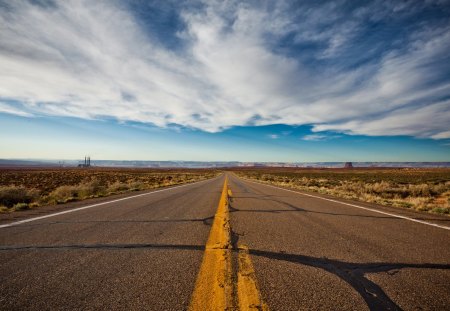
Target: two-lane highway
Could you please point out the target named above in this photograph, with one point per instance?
(148, 252)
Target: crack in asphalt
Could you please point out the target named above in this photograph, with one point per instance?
(206, 221)
(104, 247)
(354, 274)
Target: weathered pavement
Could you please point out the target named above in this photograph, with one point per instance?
(143, 253)
(146, 253)
(313, 254)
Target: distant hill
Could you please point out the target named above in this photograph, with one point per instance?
(212, 164)
(8, 162)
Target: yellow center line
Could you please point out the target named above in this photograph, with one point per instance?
(214, 288)
(248, 290)
(214, 285)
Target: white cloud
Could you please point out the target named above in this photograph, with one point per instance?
(319, 137)
(314, 137)
(91, 59)
(441, 135)
(421, 122)
(274, 136)
(5, 108)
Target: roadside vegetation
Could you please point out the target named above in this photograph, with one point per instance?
(22, 189)
(419, 189)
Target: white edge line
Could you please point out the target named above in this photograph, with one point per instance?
(98, 204)
(353, 205)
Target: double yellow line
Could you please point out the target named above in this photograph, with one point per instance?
(216, 287)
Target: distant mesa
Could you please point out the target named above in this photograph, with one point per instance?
(348, 165)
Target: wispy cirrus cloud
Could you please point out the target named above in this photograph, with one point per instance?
(10, 109)
(442, 135)
(236, 63)
(421, 122)
(319, 137)
(314, 137)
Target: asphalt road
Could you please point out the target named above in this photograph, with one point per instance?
(137, 254)
(145, 253)
(313, 254)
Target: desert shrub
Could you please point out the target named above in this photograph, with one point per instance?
(441, 210)
(91, 188)
(422, 190)
(380, 187)
(118, 187)
(64, 193)
(20, 206)
(11, 195)
(81, 191)
(137, 185)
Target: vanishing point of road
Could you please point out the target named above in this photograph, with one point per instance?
(224, 243)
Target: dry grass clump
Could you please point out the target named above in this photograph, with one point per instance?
(22, 189)
(118, 187)
(16, 198)
(424, 190)
(64, 194)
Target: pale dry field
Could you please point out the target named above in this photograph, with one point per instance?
(414, 188)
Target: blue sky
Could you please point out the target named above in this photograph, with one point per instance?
(225, 80)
